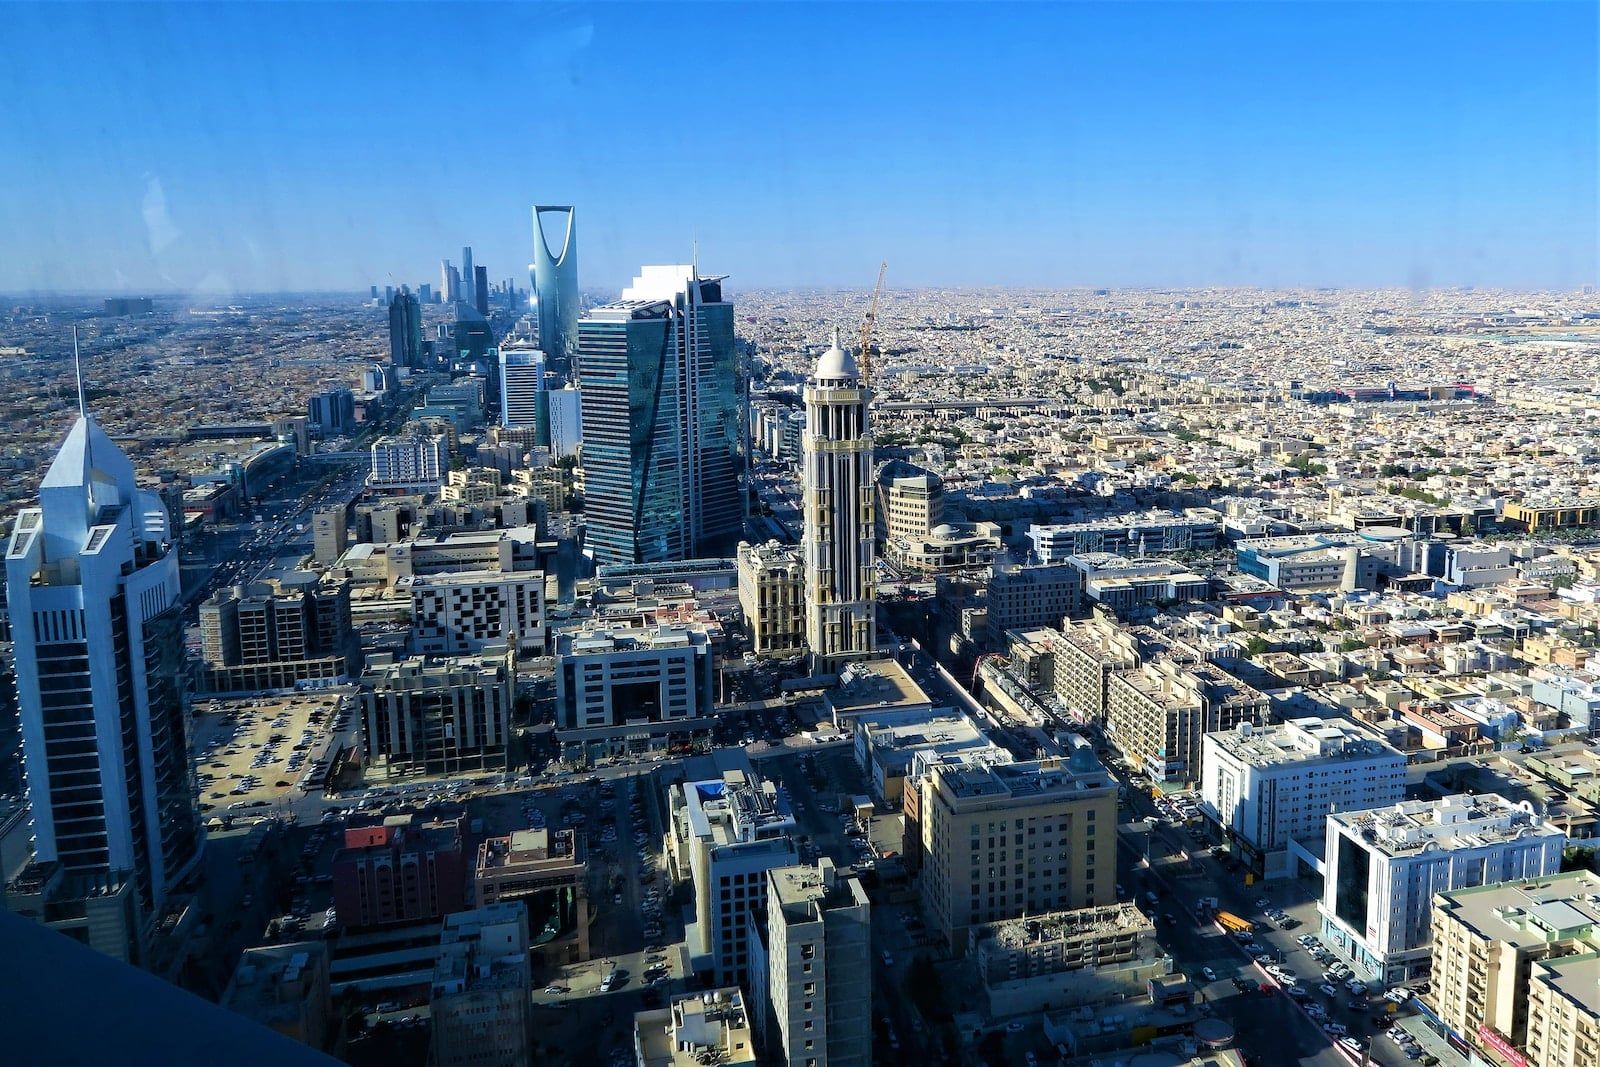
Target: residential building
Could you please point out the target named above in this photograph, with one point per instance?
(1003, 840)
(1492, 945)
(1086, 657)
(1268, 786)
(276, 634)
(1157, 713)
(417, 462)
(1382, 869)
(1126, 586)
(94, 603)
(1028, 597)
(405, 870)
(480, 1000)
(634, 688)
(1139, 534)
(772, 596)
(546, 870)
(660, 420)
(837, 539)
(726, 833)
(885, 748)
(285, 988)
(694, 1030)
(431, 716)
(814, 984)
(467, 611)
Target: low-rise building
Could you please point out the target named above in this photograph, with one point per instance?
(694, 1030)
(877, 687)
(285, 988)
(1267, 786)
(546, 871)
(1382, 869)
(1064, 959)
(885, 750)
(403, 871)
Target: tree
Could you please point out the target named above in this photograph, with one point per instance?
(1255, 646)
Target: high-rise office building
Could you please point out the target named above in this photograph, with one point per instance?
(555, 283)
(405, 330)
(468, 278)
(448, 280)
(839, 502)
(425, 293)
(660, 417)
(524, 401)
(480, 289)
(94, 598)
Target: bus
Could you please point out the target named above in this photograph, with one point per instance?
(1232, 924)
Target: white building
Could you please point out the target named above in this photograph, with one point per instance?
(410, 462)
(93, 591)
(521, 382)
(813, 979)
(727, 833)
(466, 611)
(1270, 785)
(633, 688)
(1383, 867)
(841, 616)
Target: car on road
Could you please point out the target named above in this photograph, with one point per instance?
(1353, 1044)
(1208, 974)
(1015, 1026)
(1336, 1029)
(1243, 985)
(1328, 990)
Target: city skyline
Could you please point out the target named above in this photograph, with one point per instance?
(1136, 145)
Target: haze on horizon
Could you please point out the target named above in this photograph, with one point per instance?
(248, 148)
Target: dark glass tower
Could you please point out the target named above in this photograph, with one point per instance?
(405, 330)
(661, 420)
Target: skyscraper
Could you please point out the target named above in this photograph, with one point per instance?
(445, 287)
(452, 283)
(839, 500)
(480, 289)
(93, 590)
(555, 280)
(467, 277)
(660, 420)
(523, 400)
(405, 329)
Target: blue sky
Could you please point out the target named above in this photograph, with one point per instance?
(244, 147)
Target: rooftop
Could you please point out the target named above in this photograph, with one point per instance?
(1300, 741)
(1122, 917)
(694, 1030)
(804, 893)
(878, 684)
(1452, 822)
(1523, 914)
(1036, 779)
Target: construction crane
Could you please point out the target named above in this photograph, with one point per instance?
(868, 325)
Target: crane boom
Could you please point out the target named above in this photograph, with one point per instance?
(869, 324)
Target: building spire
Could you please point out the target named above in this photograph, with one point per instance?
(77, 366)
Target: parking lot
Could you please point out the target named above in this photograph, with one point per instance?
(257, 751)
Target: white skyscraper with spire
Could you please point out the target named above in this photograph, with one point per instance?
(841, 590)
(93, 590)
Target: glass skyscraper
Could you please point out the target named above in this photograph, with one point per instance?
(661, 420)
(555, 281)
(405, 330)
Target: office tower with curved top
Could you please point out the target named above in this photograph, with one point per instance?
(839, 502)
(555, 280)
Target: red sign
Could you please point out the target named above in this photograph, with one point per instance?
(1493, 1038)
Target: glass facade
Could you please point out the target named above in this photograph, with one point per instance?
(555, 280)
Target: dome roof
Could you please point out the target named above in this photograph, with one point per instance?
(836, 362)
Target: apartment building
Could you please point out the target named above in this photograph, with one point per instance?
(1383, 868)
(437, 716)
(405, 870)
(1267, 786)
(466, 611)
(271, 635)
(1003, 840)
(1028, 597)
(1086, 657)
(726, 834)
(417, 462)
(811, 969)
(1502, 954)
(1157, 714)
(772, 582)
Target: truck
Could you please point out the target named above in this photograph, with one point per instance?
(1232, 924)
